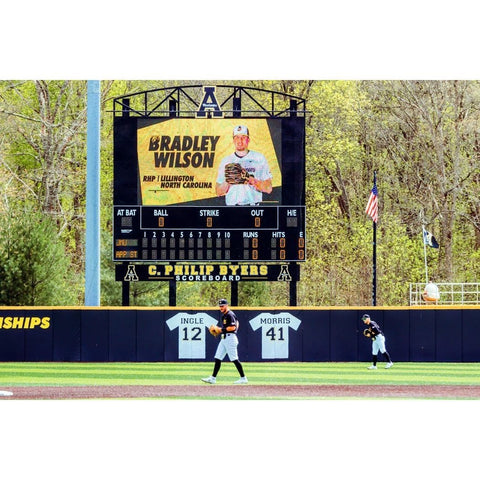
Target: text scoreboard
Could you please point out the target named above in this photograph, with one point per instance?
(170, 201)
(241, 233)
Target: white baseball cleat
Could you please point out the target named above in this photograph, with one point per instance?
(241, 380)
(372, 367)
(210, 379)
(389, 364)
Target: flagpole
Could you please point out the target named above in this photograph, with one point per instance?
(372, 211)
(425, 253)
(374, 259)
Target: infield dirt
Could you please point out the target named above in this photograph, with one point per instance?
(245, 391)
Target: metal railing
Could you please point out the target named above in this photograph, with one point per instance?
(450, 294)
(184, 101)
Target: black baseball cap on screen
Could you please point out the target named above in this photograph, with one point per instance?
(222, 302)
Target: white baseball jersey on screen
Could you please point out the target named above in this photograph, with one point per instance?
(191, 333)
(255, 164)
(275, 333)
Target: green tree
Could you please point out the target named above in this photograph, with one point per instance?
(421, 137)
(34, 269)
(425, 134)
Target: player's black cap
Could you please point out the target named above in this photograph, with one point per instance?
(222, 301)
(365, 317)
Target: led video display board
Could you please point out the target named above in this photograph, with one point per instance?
(209, 189)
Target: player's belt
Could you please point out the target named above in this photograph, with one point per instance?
(246, 204)
(225, 335)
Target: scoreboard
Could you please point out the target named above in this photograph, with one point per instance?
(260, 233)
(166, 204)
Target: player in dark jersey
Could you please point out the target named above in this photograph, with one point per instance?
(228, 344)
(378, 342)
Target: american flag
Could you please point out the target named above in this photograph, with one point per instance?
(372, 205)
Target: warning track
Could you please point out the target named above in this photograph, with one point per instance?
(244, 391)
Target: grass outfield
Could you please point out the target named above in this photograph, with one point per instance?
(275, 373)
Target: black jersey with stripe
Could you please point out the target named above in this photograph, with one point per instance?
(229, 319)
(374, 329)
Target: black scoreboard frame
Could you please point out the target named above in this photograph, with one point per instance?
(205, 229)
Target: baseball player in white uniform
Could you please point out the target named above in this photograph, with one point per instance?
(227, 345)
(255, 164)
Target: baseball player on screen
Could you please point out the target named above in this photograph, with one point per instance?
(227, 345)
(378, 342)
(244, 175)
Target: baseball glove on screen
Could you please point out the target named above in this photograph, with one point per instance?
(367, 333)
(215, 330)
(235, 174)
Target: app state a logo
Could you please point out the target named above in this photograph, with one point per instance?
(209, 106)
(131, 275)
(284, 275)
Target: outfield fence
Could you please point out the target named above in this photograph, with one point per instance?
(90, 334)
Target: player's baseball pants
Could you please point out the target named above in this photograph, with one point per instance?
(227, 346)
(378, 344)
